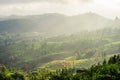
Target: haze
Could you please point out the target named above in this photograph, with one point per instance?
(107, 8)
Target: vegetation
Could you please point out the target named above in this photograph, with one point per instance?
(109, 70)
(42, 55)
(27, 51)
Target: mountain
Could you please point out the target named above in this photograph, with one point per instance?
(27, 50)
(53, 23)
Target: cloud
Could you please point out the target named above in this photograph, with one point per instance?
(109, 8)
(26, 1)
(50, 1)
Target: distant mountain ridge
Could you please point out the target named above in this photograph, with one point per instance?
(56, 23)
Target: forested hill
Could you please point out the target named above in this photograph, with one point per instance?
(28, 50)
(56, 23)
(59, 47)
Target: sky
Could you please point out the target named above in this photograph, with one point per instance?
(107, 8)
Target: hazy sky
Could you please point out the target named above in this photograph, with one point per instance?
(108, 8)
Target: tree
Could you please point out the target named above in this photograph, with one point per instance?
(18, 76)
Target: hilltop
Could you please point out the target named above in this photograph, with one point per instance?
(56, 24)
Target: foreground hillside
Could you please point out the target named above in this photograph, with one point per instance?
(108, 70)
